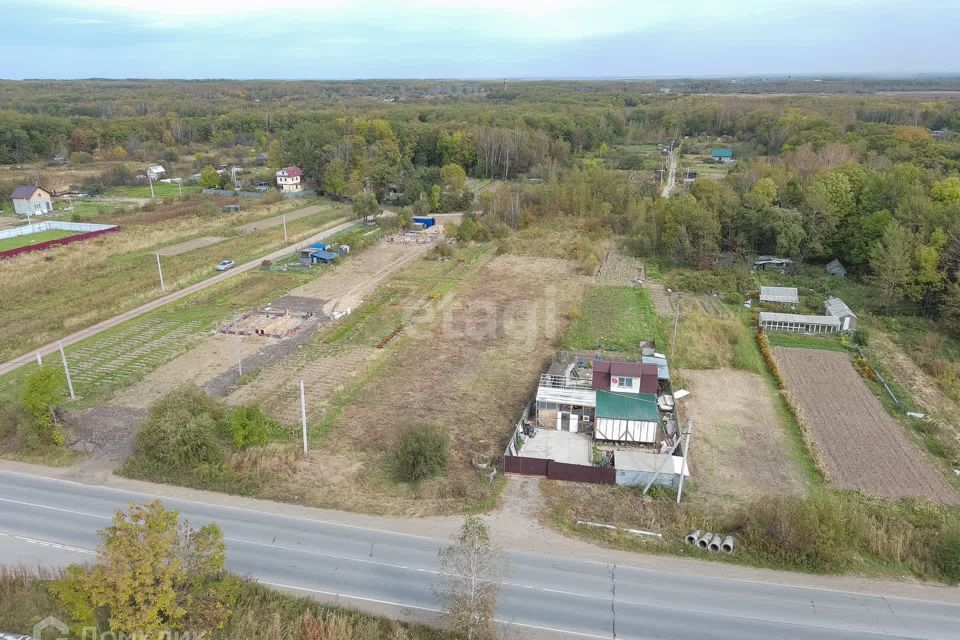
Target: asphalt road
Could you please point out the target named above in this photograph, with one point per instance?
(77, 336)
(559, 597)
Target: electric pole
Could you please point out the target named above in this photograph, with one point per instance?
(66, 369)
(163, 289)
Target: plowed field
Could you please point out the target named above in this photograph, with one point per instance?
(862, 447)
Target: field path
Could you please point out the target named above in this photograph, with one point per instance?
(862, 447)
(109, 323)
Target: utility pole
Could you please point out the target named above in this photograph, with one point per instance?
(63, 358)
(180, 186)
(150, 180)
(39, 360)
(285, 238)
(160, 269)
(303, 416)
(676, 327)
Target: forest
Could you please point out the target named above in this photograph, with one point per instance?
(864, 175)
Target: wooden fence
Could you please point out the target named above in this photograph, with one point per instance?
(559, 470)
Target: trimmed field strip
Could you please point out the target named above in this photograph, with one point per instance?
(190, 245)
(862, 447)
(276, 221)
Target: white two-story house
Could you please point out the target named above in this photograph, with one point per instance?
(290, 179)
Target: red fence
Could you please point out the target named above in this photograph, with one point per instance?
(9, 253)
(559, 470)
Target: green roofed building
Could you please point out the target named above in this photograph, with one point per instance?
(626, 417)
(722, 154)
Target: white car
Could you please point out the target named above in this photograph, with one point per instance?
(226, 264)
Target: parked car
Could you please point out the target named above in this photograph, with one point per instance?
(226, 264)
(263, 186)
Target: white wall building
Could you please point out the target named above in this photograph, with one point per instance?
(30, 200)
(290, 179)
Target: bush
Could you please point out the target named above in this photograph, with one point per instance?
(420, 453)
(251, 428)
(861, 337)
(185, 428)
(45, 388)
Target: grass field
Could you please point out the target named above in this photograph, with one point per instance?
(86, 209)
(614, 318)
(117, 357)
(160, 190)
(830, 342)
(34, 238)
(61, 290)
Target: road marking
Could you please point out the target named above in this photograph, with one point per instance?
(430, 609)
(60, 509)
(47, 543)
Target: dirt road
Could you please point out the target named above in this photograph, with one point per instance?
(77, 336)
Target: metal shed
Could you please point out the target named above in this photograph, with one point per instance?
(798, 323)
(322, 256)
(622, 417)
(637, 468)
(837, 308)
(779, 295)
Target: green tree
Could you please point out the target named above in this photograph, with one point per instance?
(275, 154)
(454, 178)
(435, 193)
(250, 427)
(891, 264)
(365, 205)
(946, 190)
(209, 178)
(335, 177)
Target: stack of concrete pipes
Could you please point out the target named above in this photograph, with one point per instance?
(709, 541)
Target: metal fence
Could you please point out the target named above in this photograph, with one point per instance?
(559, 470)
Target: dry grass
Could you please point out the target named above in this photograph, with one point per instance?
(469, 369)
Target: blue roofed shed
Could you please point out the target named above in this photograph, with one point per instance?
(321, 256)
(722, 154)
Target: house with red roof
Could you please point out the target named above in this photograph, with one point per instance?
(290, 179)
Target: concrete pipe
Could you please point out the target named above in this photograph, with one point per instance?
(727, 546)
(715, 543)
(704, 540)
(693, 537)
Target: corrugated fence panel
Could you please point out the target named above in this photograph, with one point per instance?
(581, 473)
(525, 466)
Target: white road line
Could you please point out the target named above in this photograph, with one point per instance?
(47, 543)
(430, 609)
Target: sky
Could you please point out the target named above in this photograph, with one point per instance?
(350, 39)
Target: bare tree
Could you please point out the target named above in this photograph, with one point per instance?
(471, 571)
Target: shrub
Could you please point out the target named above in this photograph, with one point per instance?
(185, 428)
(861, 337)
(45, 387)
(420, 453)
(250, 427)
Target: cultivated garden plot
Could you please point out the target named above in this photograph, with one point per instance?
(861, 446)
(618, 269)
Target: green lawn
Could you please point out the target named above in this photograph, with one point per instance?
(85, 209)
(160, 190)
(830, 342)
(617, 318)
(34, 238)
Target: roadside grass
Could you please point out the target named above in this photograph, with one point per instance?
(259, 612)
(33, 238)
(826, 531)
(932, 349)
(87, 209)
(614, 318)
(64, 289)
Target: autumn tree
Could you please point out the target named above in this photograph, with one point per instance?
(45, 389)
(154, 574)
(472, 569)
